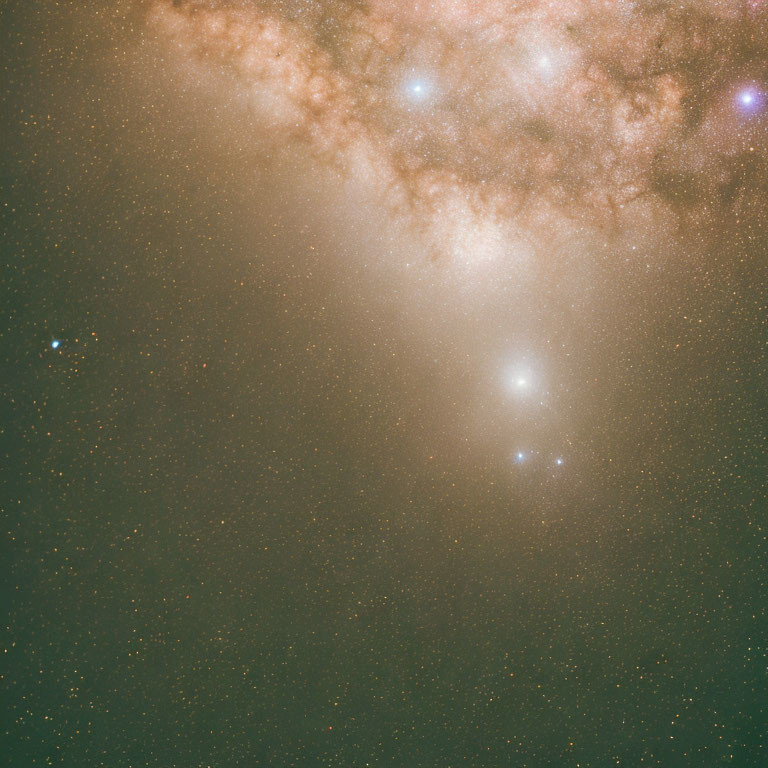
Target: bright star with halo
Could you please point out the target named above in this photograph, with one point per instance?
(520, 380)
(750, 100)
(418, 89)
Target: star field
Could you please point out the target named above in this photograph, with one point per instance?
(385, 383)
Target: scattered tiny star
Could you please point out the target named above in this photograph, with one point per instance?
(410, 237)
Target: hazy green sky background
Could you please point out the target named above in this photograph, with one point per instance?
(420, 459)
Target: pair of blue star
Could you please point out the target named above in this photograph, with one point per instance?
(521, 458)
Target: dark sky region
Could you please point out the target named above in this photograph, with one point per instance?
(384, 383)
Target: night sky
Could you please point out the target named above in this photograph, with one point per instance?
(384, 383)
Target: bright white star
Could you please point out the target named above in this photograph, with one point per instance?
(418, 89)
(520, 380)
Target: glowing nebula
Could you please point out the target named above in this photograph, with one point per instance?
(537, 122)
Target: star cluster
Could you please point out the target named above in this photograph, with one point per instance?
(385, 383)
(494, 128)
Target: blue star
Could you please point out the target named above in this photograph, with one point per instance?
(55, 344)
(750, 100)
(559, 462)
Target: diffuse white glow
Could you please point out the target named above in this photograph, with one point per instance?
(522, 143)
